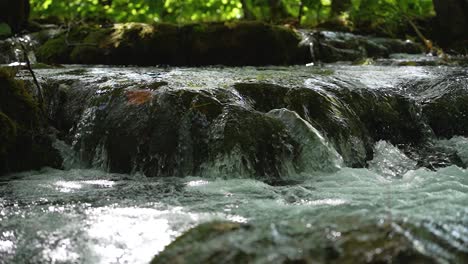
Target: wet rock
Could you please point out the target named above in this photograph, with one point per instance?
(353, 119)
(444, 105)
(25, 145)
(242, 43)
(328, 113)
(263, 96)
(11, 49)
(321, 109)
(330, 46)
(184, 248)
(176, 133)
(166, 127)
(315, 152)
(229, 242)
(387, 115)
(258, 143)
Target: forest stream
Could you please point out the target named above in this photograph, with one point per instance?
(331, 164)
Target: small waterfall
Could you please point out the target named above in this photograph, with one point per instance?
(12, 52)
(389, 161)
(316, 154)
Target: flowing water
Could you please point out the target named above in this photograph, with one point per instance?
(86, 215)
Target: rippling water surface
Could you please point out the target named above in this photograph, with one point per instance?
(90, 216)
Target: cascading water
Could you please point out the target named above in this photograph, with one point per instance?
(310, 161)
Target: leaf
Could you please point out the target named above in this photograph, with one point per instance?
(139, 97)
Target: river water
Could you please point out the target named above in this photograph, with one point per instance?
(86, 215)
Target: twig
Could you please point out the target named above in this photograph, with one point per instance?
(36, 82)
(426, 42)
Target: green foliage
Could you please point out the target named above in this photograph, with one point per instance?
(388, 15)
(371, 13)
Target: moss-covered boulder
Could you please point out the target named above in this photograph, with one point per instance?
(241, 43)
(24, 144)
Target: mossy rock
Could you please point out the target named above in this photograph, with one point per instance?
(24, 144)
(94, 48)
(244, 43)
(17, 102)
(233, 44)
(58, 49)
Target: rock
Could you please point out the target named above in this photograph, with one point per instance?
(165, 127)
(233, 44)
(256, 144)
(444, 105)
(328, 46)
(183, 248)
(229, 242)
(352, 119)
(315, 152)
(179, 132)
(24, 143)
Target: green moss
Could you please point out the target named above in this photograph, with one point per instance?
(58, 49)
(54, 51)
(93, 49)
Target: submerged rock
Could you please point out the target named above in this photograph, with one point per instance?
(241, 43)
(229, 242)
